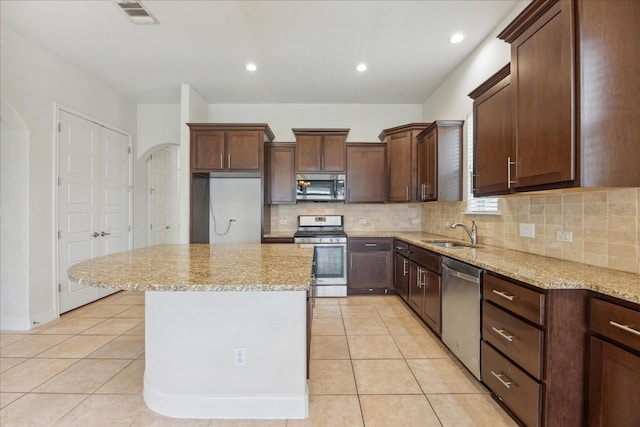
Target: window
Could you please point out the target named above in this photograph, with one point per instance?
(476, 204)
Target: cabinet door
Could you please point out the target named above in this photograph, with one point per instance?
(542, 61)
(243, 150)
(492, 141)
(365, 174)
(401, 275)
(308, 153)
(432, 297)
(399, 167)
(369, 271)
(431, 161)
(422, 170)
(282, 178)
(614, 376)
(207, 152)
(333, 153)
(416, 293)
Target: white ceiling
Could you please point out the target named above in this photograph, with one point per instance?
(306, 51)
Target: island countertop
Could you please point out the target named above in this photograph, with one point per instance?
(200, 267)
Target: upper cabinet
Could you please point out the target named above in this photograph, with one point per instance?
(492, 138)
(440, 161)
(320, 150)
(280, 182)
(228, 147)
(365, 173)
(402, 162)
(574, 92)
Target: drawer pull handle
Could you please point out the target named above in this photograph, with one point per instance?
(503, 294)
(507, 384)
(624, 327)
(502, 334)
(371, 244)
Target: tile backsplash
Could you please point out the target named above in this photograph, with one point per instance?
(604, 224)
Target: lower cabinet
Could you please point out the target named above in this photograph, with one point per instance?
(401, 268)
(614, 365)
(533, 351)
(370, 265)
(425, 288)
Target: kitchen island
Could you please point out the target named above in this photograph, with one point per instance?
(225, 326)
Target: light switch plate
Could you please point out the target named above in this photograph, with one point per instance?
(564, 236)
(362, 221)
(415, 221)
(527, 230)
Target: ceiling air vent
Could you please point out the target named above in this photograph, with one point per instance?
(136, 11)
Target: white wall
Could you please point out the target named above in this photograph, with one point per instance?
(32, 80)
(366, 121)
(158, 124)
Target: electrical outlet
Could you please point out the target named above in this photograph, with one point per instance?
(240, 356)
(527, 230)
(362, 221)
(564, 236)
(447, 224)
(283, 221)
(415, 221)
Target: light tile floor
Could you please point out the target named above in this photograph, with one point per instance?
(373, 364)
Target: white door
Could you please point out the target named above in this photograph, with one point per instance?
(160, 197)
(93, 201)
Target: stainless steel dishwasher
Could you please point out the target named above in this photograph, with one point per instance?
(461, 311)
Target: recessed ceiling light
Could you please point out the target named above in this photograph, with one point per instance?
(456, 38)
(251, 67)
(361, 67)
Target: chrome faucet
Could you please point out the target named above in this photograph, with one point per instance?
(473, 233)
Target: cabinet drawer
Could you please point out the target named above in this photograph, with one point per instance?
(512, 386)
(520, 341)
(615, 322)
(357, 244)
(402, 247)
(513, 297)
(425, 258)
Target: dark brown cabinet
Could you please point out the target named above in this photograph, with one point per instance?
(614, 365)
(221, 148)
(440, 161)
(425, 288)
(401, 268)
(370, 265)
(320, 150)
(402, 161)
(492, 137)
(365, 173)
(574, 86)
(280, 185)
(534, 350)
(228, 147)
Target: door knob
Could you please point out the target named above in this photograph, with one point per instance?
(96, 234)
(105, 234)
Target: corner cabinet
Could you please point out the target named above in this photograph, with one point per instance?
(614, 364)
(365, 173)
(440, 161)
(280, 177)
(226, 149)
(370, 265)
(492, 137)
(574, 85)
(402, 161)
(320, 150)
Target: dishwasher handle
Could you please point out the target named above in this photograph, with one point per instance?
(459, 275)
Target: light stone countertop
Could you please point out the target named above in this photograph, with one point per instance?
(542, 272)
(200, 267)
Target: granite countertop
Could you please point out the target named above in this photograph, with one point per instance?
(200, 267)
(542, 272)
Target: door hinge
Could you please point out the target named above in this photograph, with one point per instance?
(59, 181)
(59, 287)
(150, 226)
(129, 150)
(129, 228)
(59, 127)
(59, 234)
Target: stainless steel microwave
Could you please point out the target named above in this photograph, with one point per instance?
(320, 187)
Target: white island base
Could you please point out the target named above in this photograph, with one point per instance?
(193, 369)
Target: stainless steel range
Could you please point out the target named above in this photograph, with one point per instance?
(326, 234)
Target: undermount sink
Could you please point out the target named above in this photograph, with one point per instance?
(451, 245)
